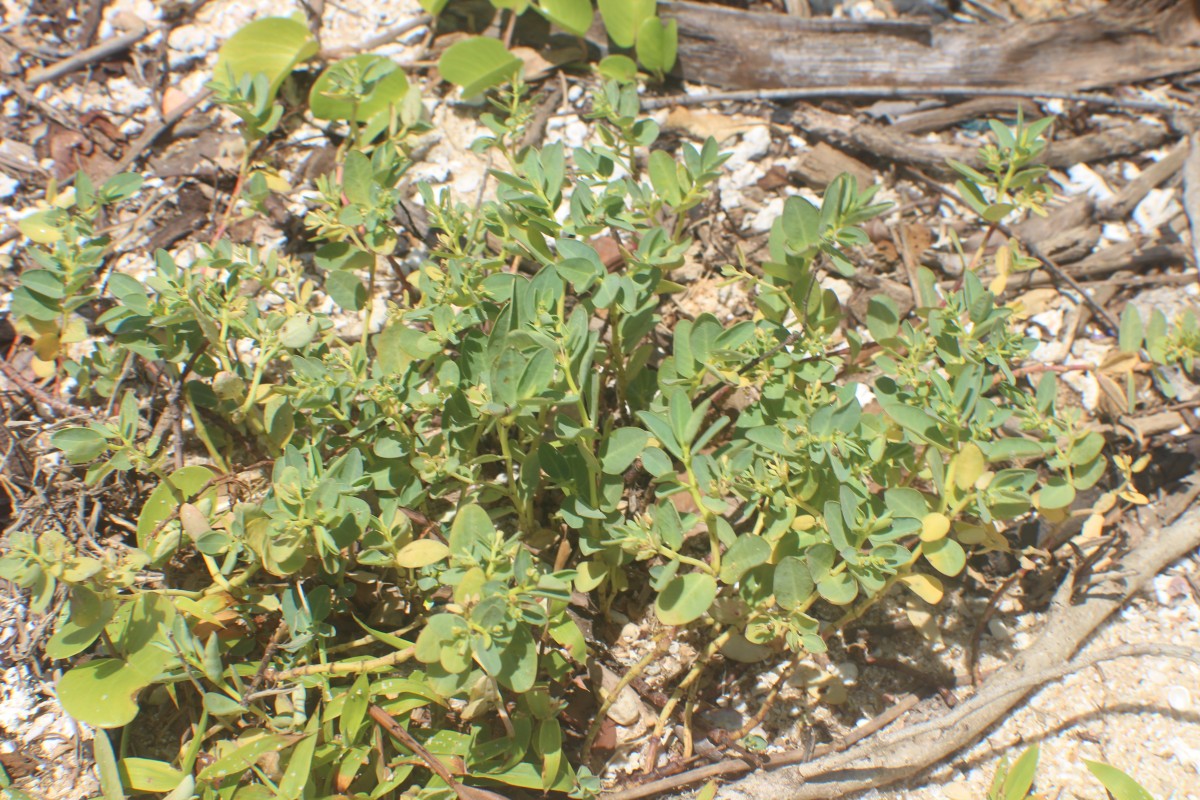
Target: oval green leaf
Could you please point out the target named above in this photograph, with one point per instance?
(658, 44)
(471, 530)
(946, 555)
(421, 553)
(148, 775)
(74, 635)
(1056, 493)
(685, 598)
(573, 16)
(80, 445)
(102, 692)
(793, 583)
(623, 19)
(839, 589)
(621, 448)
(477, 64)
(746, 553)
(39, 227)
(272, 46)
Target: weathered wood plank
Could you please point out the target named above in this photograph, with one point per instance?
(748, 50)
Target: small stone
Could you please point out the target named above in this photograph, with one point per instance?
(725, 718)
(627, 709)
(754, 145)
(1179, 698)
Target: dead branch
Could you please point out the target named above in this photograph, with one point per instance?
(136, 31)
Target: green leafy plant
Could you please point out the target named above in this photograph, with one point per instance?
(364, 581)
(68, 255)
(479, 63)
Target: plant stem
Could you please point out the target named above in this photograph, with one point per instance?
(348, 667)
(693, 675)
(626, 679)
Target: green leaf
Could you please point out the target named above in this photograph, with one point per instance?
(1132, 333)
(271, 46)
(354, 709)
(441, 631)
(549, 744)
(384, 93)
(905, 502)
(76, 633)
(148, 775)
(298, 332)
(343, 255)
(623, 19)
(573, 16)
(80, 445)
(299, 768)
(40, 227)
(883, 317)
(358, 176)
(946, 555)
(1056, 493)
(421, 553)
(622, 448)
(839, 589)
(107, 767)
(390, 640)
(518, 661)
(1020, 776)
(1012, 448)
(621, 69)
(181, 487)
(537, 375)
(120, 187)
(685, 598)
(347, 290)
(44, 282)
(658, 45)
(241, 758)
(477, 64)
(661, 430)
(101, 692)
(471, 532)
(664, 177)
(506, 376)
(793, 583)
(433, 7)
(1118, 784)
(220, 705)
(1087, 449)
(746, 553)
(144, 638)
(656, 462)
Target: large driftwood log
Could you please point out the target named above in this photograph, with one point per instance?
(1124, 43)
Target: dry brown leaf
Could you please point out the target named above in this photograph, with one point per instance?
(1036, 301)
(536, 67)
(703, 124)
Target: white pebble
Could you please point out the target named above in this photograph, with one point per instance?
(1179, 699)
